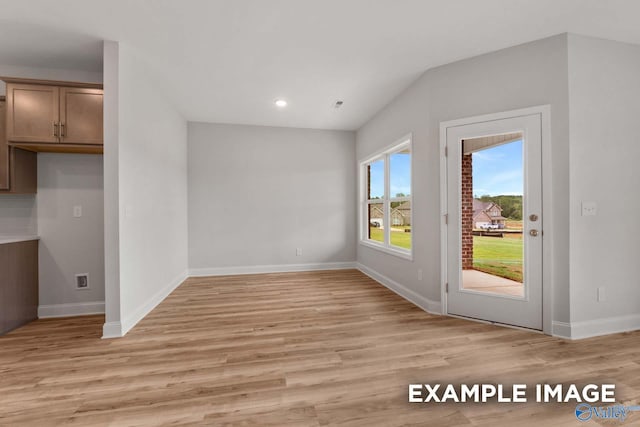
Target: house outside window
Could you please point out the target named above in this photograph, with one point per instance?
(386, 216)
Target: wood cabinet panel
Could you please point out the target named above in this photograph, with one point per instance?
(32, 113)
(4, 147)
(24, 171)
(18, 168)
(81, 116)
(18, 284)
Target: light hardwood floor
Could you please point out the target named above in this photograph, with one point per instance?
(317, 348)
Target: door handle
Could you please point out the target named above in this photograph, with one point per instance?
(533, 233)
(55, 129)
(61, 130)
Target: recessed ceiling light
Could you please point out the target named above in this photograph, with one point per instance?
(280, 103)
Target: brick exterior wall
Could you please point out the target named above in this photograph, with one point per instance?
(467, 212)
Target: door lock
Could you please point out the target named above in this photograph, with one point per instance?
(533, 233)
(533, 217)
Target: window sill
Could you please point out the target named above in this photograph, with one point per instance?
(391, 251)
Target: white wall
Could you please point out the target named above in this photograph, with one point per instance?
(111, 63)
(605, 148)
(522, 76)
(18, 215)
(258, 193)
(69, 245)
(152, 189)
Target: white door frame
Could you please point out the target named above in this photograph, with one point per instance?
(547, 286)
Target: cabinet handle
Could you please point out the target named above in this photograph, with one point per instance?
(61, 130)
(55, 129)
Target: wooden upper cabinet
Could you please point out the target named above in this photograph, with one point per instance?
(32, 113)
(4, 147)
(18, 168)
(81, 116)
(54, 116)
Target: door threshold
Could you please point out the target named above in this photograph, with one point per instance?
(490, 322)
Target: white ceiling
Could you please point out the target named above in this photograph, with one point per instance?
(227, 60)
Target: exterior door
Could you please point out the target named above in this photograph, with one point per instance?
(494, 231)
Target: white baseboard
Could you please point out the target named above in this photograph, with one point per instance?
(131, 320)
(112, 330)
(426, 304)
(72, 309)
(561, 329)
(597, 327)
(261, 269)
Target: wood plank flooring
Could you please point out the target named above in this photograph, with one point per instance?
(299, 349)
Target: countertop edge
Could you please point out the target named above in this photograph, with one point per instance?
(17, 239)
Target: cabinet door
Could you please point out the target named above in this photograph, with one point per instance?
(81, 116)
(4, 148)
(33, 113)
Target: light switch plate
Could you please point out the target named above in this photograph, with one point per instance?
(589, 208)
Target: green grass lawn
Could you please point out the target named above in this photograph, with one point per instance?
(493, 255)
(398, 238)
(502, 257)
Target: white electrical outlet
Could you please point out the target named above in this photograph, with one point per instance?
(589, 208)
(77, 211)
(298, 251)
(602, 295)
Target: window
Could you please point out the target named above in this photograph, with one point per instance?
(386, 199)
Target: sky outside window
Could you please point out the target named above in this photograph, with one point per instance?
(498, 171)
(400, 180)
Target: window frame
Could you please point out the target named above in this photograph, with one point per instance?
(406, 142)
